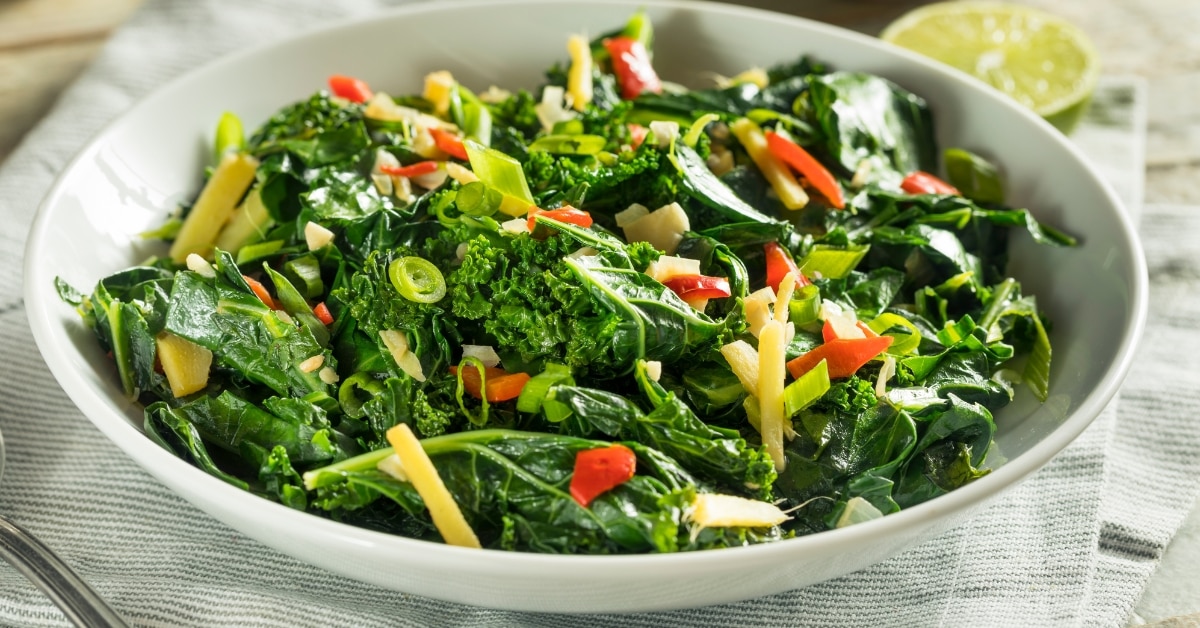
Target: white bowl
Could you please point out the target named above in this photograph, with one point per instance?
(133, 173)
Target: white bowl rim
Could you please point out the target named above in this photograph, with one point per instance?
(115, 426)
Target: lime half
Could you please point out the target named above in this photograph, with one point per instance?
(1040, 60)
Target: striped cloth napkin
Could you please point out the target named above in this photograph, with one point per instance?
(1073, 545)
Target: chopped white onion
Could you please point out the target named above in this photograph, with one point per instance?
(484, 353)
(200, 266)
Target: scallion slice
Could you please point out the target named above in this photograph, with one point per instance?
(417, 279)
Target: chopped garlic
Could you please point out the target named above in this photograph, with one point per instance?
(383, 184)
(438, 89)
(312, 364)
(653, 369)
(460, 252)
(316, 236)
(665, 132)
(397, 344)
(431, 180)
(328, 375)
(424, 145)
(756, 308)
(460, 173)
(885, 373)
(516, 225)
(860, 174)
(484, 353)
(551, 110)
(402, 188)
(631, 214)
(663, 228)
(198, 265)
(384, 159)
(495, 95)
(743, 361)
(668, 266)
(393, 467)
(857, 510)
(843, 322)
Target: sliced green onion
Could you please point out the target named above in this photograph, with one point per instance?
(477, 199)
(805, 391)
(504, 174)
(639, 27)
(477, 122)
(417, 279)
(569, 144)
(805, 306)
(903, 344)
(356, 390)
(693, 134)
(469, 362)
(974, 176)
(831, 262)
(305, 273)
(229, 135)
(574, 126)
(534, 394)
(257, 251)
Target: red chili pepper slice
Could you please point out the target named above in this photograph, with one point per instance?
(569, 215)
(598, 471)
(801, 161)
(350, 88)
(631, 64)
(414, 170)
(699, 286)
(920, 182)
(449, 143)
(321, 311)
(637, 135)
(779, 264)
(843, 356)
(260, 291)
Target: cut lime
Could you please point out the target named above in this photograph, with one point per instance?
(1040, 60)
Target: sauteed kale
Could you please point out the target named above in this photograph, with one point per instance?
(619, 315)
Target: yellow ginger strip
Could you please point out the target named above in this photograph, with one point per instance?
(579, 77)
(781, 179)
(711, 510)
(446, 515)
(771, 373)
(215, 206)
(787, 287)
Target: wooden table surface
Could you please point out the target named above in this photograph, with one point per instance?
(45, 44)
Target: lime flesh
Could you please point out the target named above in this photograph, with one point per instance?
(1040, 60)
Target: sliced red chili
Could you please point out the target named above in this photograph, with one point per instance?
(801, 161)
(569, 215)
(414, 170)
(699, 286)
(843, 356)
(631, 65)
(449, 143)
(598, 471)
(920, 182)
(350, 88)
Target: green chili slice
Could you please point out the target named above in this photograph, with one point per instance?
(417, 279)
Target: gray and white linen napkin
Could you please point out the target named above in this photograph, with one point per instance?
(1073, 545)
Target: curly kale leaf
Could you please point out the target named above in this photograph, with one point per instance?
(376, 305)
(643, 176)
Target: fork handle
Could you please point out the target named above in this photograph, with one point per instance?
(82, 605)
